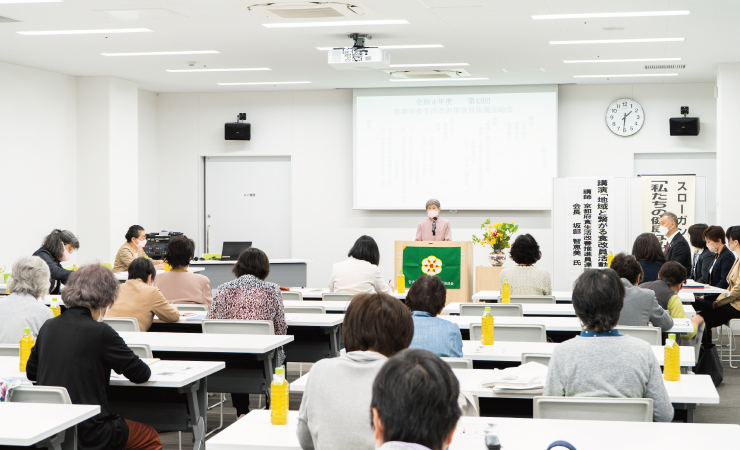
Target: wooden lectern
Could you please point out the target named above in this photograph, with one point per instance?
(461, 294)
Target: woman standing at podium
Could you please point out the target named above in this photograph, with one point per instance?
(434, 228)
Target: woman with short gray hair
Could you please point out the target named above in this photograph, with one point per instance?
(434, 228)
(29, 282)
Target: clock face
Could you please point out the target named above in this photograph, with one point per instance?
(625, 117)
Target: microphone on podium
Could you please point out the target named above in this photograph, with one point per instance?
(434, 226)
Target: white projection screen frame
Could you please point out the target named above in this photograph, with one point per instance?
(473, 148)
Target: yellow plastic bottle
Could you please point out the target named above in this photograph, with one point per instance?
(55, 308)
(506, 291)
(401, 282)
(26, 346)
(609, 259)
(166, 266)
(278, 401)
(486, 332)
(671, 365)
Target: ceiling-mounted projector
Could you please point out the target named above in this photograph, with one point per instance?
(359, 57)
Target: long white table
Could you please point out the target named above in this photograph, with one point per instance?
(123, 276)
(255, 432)
(512, 351)
(284, 272)
(183, 377)
(208, 343)
(686, 295)
(316, 293)
(532, 309)
(330, 307)
(29, 423)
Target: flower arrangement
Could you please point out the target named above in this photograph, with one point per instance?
(496, 235)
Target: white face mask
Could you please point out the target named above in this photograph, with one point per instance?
(663, 230)
(432, 213)
(141, 244)
(101, 314)
(66, 255)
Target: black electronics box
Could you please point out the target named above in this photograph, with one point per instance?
(684, 126)
(156, 243)
(237, 131)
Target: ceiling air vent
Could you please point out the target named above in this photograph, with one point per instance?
(428, 74)
(666, 66)
(309, 10)
(4, 19)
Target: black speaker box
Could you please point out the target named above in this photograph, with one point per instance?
(237, 131)
(684, 126)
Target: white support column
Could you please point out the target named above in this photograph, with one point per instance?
(728, 144)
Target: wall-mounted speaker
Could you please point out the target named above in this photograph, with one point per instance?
(237, 131)
(684, 126)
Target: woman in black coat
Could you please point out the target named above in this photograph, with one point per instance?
(57, 248)
(720, 267)
(703, 258)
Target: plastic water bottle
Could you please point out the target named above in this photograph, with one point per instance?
(26, 346)
(278, 401)
(506, 291)
(486, 332)
(166, 266)
(672, 363)
(609, 259)
(401, 282)
(55, 308)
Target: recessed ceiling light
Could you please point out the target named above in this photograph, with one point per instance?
(618, 41)
(437, 79)
(431, 65)
(264, 82)
(391, 47)
(109, 31)
(628, 75)
(579, 61)
(610, 15)
(349, 23)
(187, 52)
(4, 2)
(218, 70)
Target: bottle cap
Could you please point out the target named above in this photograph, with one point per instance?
(506, 280)
(400, 271)
(672, 336)
(26, 329)
(279, 370)
(488, 309)
(54, 301)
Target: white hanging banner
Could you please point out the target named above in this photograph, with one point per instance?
(668, 193)
(591, 223)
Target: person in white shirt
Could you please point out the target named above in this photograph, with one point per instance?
(359, 273)
(29, 282)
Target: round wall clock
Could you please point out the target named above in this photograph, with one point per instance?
(625, 117)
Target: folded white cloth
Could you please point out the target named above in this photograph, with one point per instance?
(527, 376)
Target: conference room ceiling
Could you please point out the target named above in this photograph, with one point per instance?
(498, 39)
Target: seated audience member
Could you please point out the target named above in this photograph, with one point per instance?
(132, 249)
(726, 306)
(525, 278)
(139, 299)
(57, 248)
(360, 272)
(425, 299)
(78, 352)
(601, 362)
(719, 270)
(640, 305)
(335, 410)
(250, 297)
(414, 403)
(648, 253)
(670, 280)
(178, 285)
(676, 248)
(22, 308)
(703, 258)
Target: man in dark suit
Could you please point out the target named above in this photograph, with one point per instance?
(676, 247)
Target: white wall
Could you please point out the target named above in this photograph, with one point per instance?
(728, 142)
(148, 161)
(38, 158)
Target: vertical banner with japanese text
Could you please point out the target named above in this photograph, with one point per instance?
(668, 193)
(590, 235)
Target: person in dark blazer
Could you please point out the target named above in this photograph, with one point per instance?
(703, 258)
(720, 268)
(648, 253)
(77, 351)
(57, 248)
(676, 247)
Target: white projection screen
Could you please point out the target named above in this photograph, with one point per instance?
(483, 148)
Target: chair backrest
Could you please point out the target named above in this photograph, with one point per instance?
(542, 358)
(546, 299)
(497, 310)
(40, 394)
(336, 297)
(512, 333)
(594, 408)
(305, 309)
(292, 295)
(651, 335)
(238, 326)
(122, 323)
(141, 350)
(10, 349)
(190, 307)
(459, 363)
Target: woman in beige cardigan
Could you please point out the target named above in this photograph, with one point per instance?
(132, 249)
(178, 285)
